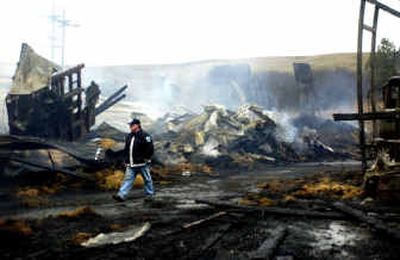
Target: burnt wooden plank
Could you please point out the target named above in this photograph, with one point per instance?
(215, 237)
(381, 115)
(276, 210)
(270, 244)
(201, 221)
(385, 8)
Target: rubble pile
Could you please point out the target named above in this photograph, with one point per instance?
(216, 138)
(323, 137)
(222, 137)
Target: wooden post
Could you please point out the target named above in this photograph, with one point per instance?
(373, 70)
(78, 79)
(360, 85)
(78, 84)
(62, 86)
(70, 82)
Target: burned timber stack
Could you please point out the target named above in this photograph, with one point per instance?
(51, 103)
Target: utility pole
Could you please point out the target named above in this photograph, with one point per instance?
(53, 20)
(64, 23)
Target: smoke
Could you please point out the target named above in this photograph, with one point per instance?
(286, 130)
(228, 83)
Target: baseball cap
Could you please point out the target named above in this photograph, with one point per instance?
(134, 121)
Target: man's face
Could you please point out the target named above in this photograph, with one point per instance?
(134, 128)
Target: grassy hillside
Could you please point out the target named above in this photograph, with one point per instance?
(278, 63)
(320, 62)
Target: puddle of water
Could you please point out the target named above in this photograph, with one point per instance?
(189, 204)
(337, 236)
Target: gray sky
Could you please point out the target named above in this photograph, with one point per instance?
(170, 31)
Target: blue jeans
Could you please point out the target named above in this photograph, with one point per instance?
(130, 176)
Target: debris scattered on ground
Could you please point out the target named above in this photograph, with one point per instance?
(327, 188)
(78, 212)
(252, 199)
(129, 235)
(81, 237)
(184, 169)
(213, 225)
(319, 186)
(15, 226)
(31, 197)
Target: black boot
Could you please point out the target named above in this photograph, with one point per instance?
(118, 198)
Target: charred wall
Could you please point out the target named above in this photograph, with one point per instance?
(38, 114)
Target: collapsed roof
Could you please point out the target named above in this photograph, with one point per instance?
(33, 72)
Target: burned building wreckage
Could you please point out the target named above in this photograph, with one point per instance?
(48, 108)
(48, 103)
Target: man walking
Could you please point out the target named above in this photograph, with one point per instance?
(137, 154)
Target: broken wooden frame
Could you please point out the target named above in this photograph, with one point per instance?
(373, 115)
(51, 104)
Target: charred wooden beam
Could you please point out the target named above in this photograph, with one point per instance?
(72, 93)
(47, 168)
(215, 237)
(104, 107)
(115, 94)
(276, 210)
(10, 143)
(385, 8)
(360, 96)
(111, 100)
(381, 115)
(201, 221)
(373, 70)
(67, 72)
(270, 244)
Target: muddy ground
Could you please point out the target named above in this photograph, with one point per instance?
(56, 225)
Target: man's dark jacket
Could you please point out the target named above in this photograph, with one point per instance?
(142, 149)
